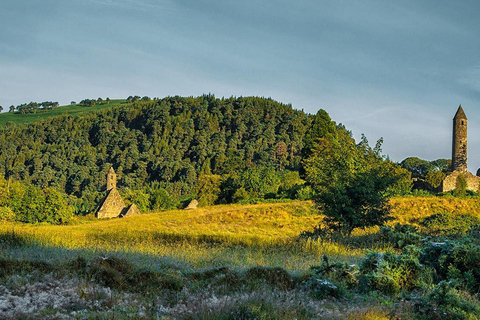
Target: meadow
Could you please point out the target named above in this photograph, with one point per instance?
(73, 110)
(211, 263)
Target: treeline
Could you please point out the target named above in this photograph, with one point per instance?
(432, 172)
(91, 102)
(31, 204)
(165, 151)
(33, 107)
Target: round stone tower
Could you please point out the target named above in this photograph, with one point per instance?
(459, 148)
(111, 179)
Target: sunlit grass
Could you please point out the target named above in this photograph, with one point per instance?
(232, 235)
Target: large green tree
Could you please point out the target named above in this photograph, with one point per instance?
(353, 182)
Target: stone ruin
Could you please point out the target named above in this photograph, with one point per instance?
(112, 205)
(459, 156)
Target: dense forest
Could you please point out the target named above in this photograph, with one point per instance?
(165, 151)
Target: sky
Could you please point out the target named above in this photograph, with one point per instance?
(383, 68)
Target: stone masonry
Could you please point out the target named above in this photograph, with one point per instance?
(112, 206)
(459, 156)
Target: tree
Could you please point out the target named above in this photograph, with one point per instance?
(418, 167)
(208, 189)
(435, 178)
(352, 182)
(1, 108)
(361, 203)
(11, 108)
(108, 100)
(322, 127)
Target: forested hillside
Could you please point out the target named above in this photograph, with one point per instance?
(163, 150)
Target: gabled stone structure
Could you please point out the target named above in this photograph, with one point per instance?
(112, 206)
(459, 156)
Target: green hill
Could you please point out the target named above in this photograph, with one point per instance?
(73, 110)
(165, 151)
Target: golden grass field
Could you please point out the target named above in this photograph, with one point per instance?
(234, 235)
(177, 243)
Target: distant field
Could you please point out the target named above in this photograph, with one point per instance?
(74, 110)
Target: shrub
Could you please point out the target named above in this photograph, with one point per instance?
(305, 193)
(240, 195)
(455, 260)
(401, 235)
(447, 224)
(322, 288)
(390, 273)
(120, 274)
(6, 214)
(339, 272)
(447, 302)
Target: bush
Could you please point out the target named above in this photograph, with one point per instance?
(447, 224)
(240, 195)
(6, 214)
(455, 260)
(390, 273)
(446, 302)
(340, 273)
(322, 288)
(401, 235)
(305, 193)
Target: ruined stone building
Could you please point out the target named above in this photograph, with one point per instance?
(112, 206)
(459, 156)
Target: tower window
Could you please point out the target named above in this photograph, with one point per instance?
(462, 122)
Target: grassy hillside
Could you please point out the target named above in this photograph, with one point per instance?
(211, 262)
(239, 235)
(74, 110)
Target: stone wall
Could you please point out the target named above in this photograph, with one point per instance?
(112, 206)
(450, 182)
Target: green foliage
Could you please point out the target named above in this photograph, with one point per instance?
(401, 236)
(421, 168)
(139, 198)
(448, 224)
(321, 127)
(455, 260)
(240, 195)
(460, 186)
(447, 302)
(160, 200)
(27, 203)
(164, 141)
(390, 273)
(340, 273)
(305, 193)
(208, 188)
(352, 181)
(6, 214)
(435, 178)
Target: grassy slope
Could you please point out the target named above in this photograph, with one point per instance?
(235, 235)
(178, 242)
(75, 110)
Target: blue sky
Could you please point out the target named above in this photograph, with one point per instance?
(391, 69)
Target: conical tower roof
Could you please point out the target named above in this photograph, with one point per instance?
(111, 170)
(460, 113)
